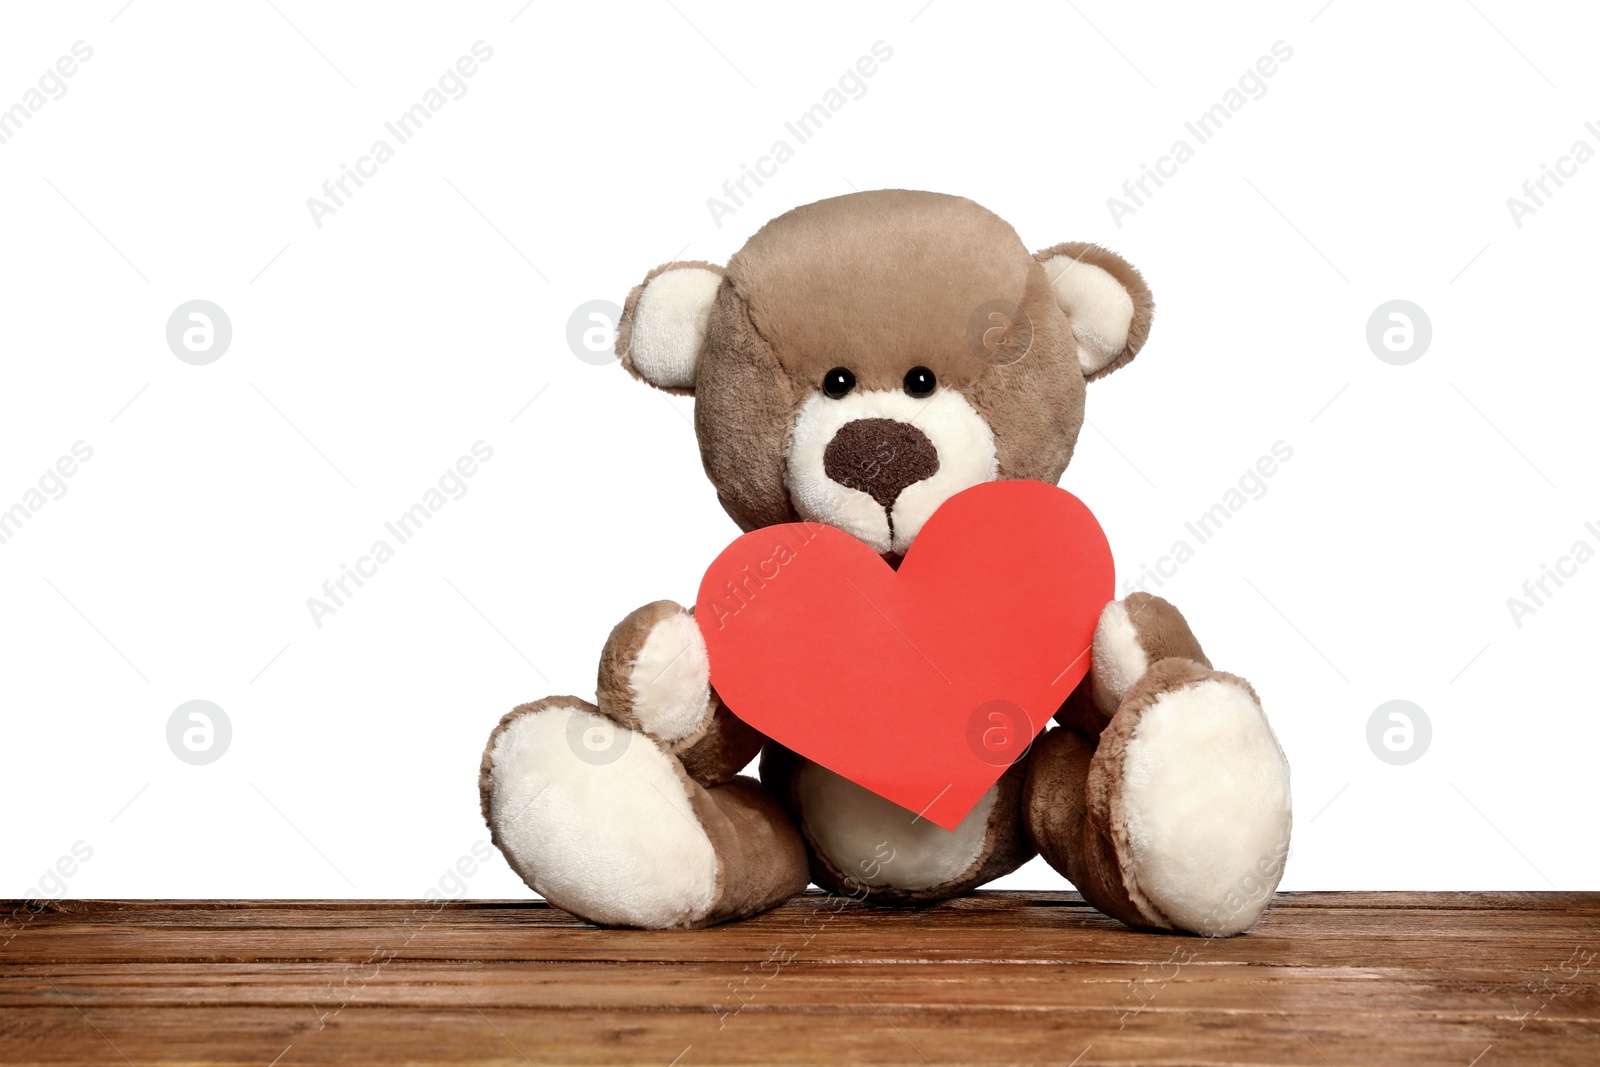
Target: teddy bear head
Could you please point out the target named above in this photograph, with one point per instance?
(862, 359)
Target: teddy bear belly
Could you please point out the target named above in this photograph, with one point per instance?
(877, 843)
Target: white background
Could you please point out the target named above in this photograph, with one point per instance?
(425, 315)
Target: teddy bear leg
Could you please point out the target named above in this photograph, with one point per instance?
(629, 812)
(1175, 813)
(1056, 813)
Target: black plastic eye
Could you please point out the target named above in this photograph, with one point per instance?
(920, 382)
(837, 382)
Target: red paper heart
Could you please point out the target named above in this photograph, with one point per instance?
(921, 684)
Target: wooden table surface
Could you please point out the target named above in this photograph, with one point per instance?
(1480, 979)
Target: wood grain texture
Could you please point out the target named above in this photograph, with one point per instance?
(1480, 979)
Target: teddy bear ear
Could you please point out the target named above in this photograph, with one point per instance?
(664, 324)
(1105, 299)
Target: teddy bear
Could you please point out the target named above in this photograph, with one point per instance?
(857, 363)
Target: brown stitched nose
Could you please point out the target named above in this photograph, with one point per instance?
(880, 457)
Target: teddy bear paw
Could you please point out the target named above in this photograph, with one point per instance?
(1199, 802)
(655, 676)
(1131, 635)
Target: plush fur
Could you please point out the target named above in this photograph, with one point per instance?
(1117, 659)
(957, 433)
(878, 842)
(1162, 793)
(618, 841)
(1205, 798)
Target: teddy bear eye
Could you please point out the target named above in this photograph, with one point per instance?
(920, 382)
(837, 382)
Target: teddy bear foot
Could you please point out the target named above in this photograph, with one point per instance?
(1197, 797)
(630, 813)
(1178, 818)
(603, 823)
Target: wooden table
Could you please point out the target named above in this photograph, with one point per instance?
(1480, 979)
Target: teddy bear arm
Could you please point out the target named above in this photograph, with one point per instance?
(1134, 634)
(1131, 635)
(725, 748)
(655, 675)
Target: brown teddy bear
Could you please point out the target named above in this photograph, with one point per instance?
(857, 363)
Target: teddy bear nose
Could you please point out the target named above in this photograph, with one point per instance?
(880, 457)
